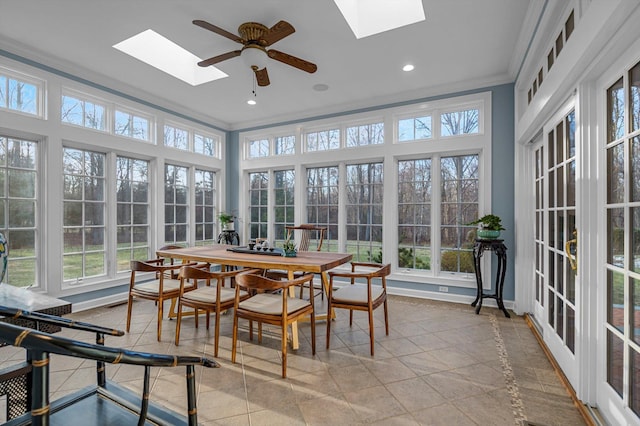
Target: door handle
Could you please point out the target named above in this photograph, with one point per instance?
(571, 250)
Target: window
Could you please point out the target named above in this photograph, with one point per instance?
(459, 122)
(364, 191)
(559, 44)
(285, 145)
(284, 202)
(414, 214)
(569, 25)
(131, 125)
(258, 204)
(259, 148)
(19, 95)
(84, 113)
(132, 195)
(205, 145)
(205, 187)
(175, 137)
(18, 206)
(368, 134)
(84, 214)
(418, 225)
(176, 204)
(415, 128)
(323, 140)
(322, 202)
(550, 59)
(459, 196)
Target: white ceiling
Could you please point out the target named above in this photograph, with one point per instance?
(462, 44)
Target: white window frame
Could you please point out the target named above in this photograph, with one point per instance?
(40, 85)
(389, 152)
(84, 98)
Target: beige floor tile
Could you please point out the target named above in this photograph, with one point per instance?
(438, 366)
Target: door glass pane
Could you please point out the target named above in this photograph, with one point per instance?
(635, 169)
(615, 365)
(635, 239)
(615, 300)
(635, 381)
(571, 329)
(615, 233)
(560, 185)
(615, 111)
(615, 173)
(571, 183)
(635, 317)
(634, 97)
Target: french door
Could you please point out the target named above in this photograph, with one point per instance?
(619, 393)
(555, 281)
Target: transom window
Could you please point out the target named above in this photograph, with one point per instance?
(414, 128)
(285, 145)
(259, 148)
(367, 134)
(131, 125)
(205, 145)
(18, 94)
(83, 112)
(459, 122)
(323, 140)
(176, 137)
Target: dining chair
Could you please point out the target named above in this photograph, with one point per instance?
(306, 234)
(358, 296)
(210, 298)
(271, 304)
(159, 288)
(173, 273)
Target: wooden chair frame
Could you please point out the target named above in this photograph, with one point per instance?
(263, 287)
(360, 299)
(203, 298)
(155, 291)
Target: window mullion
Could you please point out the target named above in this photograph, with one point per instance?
(436, 198)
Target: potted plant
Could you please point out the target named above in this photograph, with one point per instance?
(289, 248)
(489, 226)
(226, 219)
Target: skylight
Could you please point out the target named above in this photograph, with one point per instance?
(368, 17)
(163, 54)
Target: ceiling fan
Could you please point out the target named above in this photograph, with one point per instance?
(255, 38)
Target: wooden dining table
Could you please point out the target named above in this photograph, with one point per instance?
(227, 255)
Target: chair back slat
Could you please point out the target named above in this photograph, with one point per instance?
(307, 233)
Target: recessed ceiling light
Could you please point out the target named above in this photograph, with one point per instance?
(368, 17)
(251, 102)
(321, 87)
(408, 67)
(163, 54)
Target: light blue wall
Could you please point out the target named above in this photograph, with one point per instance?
(502, 176)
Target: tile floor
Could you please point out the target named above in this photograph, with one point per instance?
(440, 365)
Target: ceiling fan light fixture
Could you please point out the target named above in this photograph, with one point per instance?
(254, 55)
(408, 67)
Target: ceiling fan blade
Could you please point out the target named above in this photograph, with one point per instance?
(293, 61)
(262, 77)
(276, 33)
(218, 30)
(219, 58)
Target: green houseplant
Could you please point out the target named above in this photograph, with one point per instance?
(489, 226)
(289, 248)
(225, 219)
